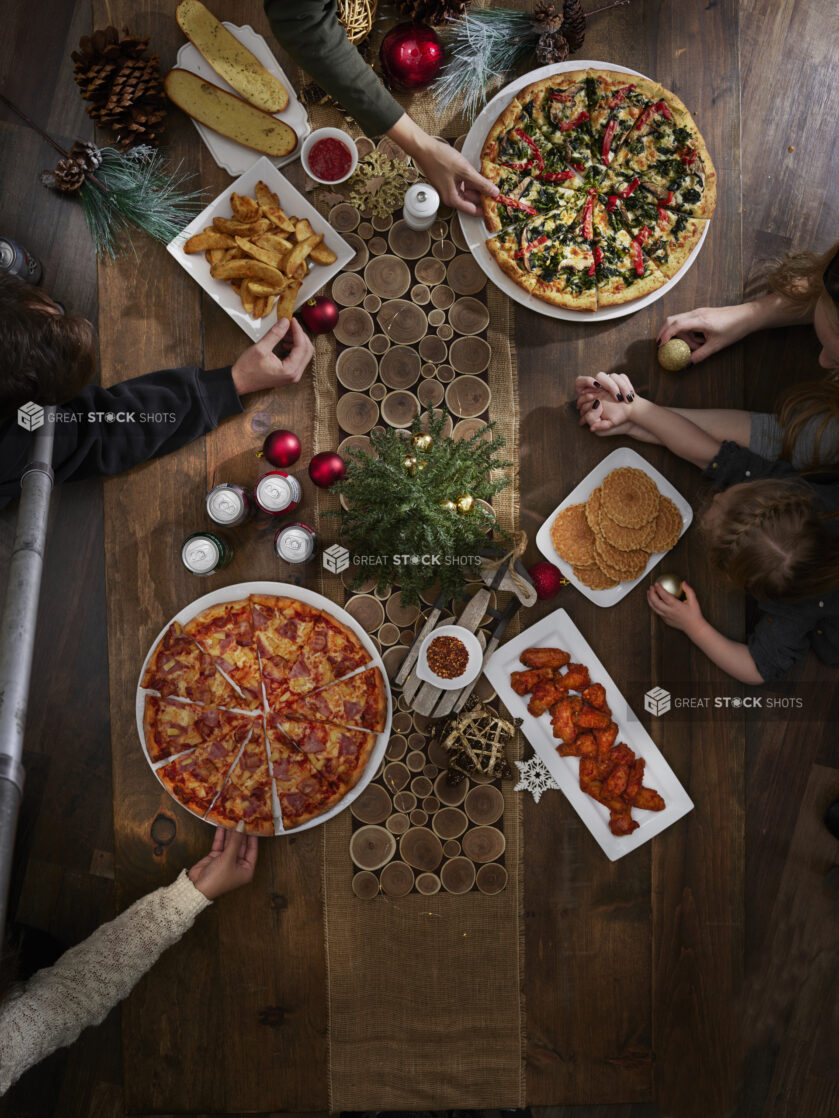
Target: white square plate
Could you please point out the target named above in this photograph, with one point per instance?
(230, 156)
(621, 457)
(559, 631)
(311, 598)
(293, 202)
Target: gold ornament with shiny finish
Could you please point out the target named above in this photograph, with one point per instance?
(674, 355)
(409, 463)
(422, 441)
(449, 506)
(672, 584)
(465, 503)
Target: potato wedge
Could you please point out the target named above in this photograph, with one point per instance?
(202, 242)
(264, 196)
(259, 288)
(215, 255)
(299, 253)
(263, 254)
(275, 242)
(247, 296)
(285, 303)
(323, 254)
(245, 208)
(241, 229)
(258, 308)
(302, 229)
(248, 269)
(233, 254)
(276, 216)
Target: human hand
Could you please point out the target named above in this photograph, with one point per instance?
(452, 175)
(606, 403)
(686, 616)
(259, 366)
(230, 863)
(707, 329)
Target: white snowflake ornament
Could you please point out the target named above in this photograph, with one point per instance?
(534, 777)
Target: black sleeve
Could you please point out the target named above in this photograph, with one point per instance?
(108, 430)
(780, 639)
(309, 30)
(734, 463)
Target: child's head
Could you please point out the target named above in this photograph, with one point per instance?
(812, 279)
(47, 356)
(769, 539)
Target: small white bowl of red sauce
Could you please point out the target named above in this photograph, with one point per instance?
(329, 155)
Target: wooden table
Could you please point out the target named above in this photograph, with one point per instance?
(633, 969)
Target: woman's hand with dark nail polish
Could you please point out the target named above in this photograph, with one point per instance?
(630, 397)
(596, 404)
(620, 397)
(597, 384)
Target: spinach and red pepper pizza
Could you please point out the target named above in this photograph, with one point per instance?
(606, 187)
(256, 712)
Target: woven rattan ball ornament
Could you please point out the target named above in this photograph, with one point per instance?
(674, 355)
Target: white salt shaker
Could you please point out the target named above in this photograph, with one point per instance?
(420, 206)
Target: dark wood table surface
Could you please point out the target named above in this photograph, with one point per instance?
(646, 979)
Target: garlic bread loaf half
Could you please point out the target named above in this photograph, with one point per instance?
(228, 115)
(230, 59)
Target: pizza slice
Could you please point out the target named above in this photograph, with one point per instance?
(246, 797)
(178, 666)
(301, 791)
(171, 726)
(622, 270)
(516, 141)
(338, 754)
(358, 701)
(508, 254)
(282, 628)
(563, 266)
(615, 101)
(195, 779)
(666, 237)
(225, 632)
(525, 194)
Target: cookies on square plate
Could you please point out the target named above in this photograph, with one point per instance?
(609, 538)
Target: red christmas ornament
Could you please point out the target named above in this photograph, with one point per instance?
(326, 468)
(319, 314)
(547, 578)
(411, 55)
(281, 448)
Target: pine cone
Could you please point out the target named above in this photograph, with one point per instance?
(544, 12)
(551, 47)
(431, 11)
(573, 23)
(122, 81)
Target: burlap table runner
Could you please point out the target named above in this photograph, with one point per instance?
(426, 994)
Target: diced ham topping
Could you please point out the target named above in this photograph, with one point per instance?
(351, 708)
(312, 743)
(347, 746)
(300, 670)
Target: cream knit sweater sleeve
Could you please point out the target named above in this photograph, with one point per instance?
(88, 980)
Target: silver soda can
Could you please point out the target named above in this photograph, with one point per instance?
(278, 493)
(228, 505)
(204, 552)
(296, 543)
(16, 261)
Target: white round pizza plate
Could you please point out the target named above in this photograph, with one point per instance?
(475, 232)
(234, 594)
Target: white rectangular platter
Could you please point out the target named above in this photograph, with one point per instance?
(581, 493)
(281, 589)
(293, 202)
(230, 156)
(559, 631)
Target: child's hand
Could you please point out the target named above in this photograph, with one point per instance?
(686, 615)
(605, 403)
(230, 863)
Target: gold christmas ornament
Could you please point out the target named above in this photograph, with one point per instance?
(422, 441)
(465, 503)
(449, 506)
(409, 463)
(672, 584)
(674, 355)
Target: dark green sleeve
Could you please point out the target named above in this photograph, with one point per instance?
(309, 30)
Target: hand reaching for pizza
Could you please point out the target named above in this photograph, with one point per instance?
(230, 863)
(260, 367)
(707, 329)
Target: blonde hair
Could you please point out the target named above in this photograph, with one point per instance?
(772, 541)
(799, 276)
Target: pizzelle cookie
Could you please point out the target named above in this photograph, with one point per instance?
(593, 507)
(572, 537)
(625, 539)
(630, 497)
(595, 578)
(668, 526)
(629, 563)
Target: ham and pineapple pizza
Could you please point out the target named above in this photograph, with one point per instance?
(572, 144)
(274, 763)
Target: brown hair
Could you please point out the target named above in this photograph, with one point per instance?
(772, 541)
(800, 277)
(803, 403)
(47, 356)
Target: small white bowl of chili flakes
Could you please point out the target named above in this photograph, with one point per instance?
(450, 657)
